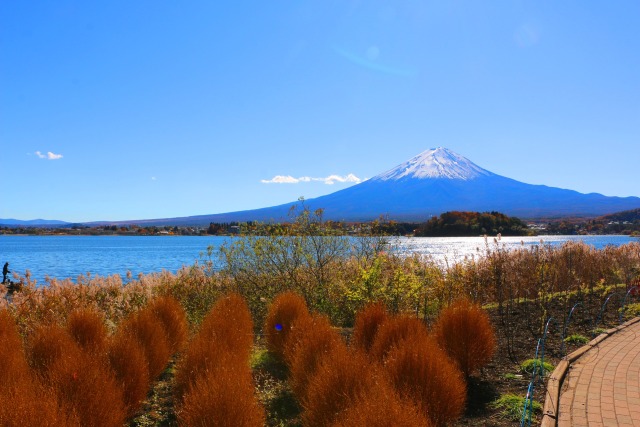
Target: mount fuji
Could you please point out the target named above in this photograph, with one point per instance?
(433, 182)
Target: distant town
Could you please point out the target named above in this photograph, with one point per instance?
(447, 224)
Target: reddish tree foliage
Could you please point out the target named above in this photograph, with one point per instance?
(421, 371)
(284, 311)
(368, 320)
(465, 332)
(393, 331)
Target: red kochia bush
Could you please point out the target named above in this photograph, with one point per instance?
(47, 345)
(381, 406)
(86, 386)
(420, 370)
(310, 341)
(341, 378)
(368, 320)
(145, 327)
(83, 384)
(464, 331)
(213, 381)
(229, 323)
(393, 331)
(24, 401)
(173, 319)
(284, 311)
(87, 328)
(226, 330)
(13, 365)
(223, 396)
(129, 364)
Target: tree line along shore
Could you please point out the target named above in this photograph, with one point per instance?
(448, 224)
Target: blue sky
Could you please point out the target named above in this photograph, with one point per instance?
(129, 110)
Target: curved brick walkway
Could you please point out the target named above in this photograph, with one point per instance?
(602, 387)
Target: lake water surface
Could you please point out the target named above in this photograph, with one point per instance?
(70, 256)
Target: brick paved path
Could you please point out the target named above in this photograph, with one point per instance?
(602, 387)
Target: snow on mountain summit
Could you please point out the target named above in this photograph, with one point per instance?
(435, 163)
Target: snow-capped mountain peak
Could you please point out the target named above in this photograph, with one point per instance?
(435, 163)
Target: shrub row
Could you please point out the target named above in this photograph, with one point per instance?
(335, 385)
(213, 382)
(78, 374)
(394, 373)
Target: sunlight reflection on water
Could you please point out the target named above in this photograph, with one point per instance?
(70, 256)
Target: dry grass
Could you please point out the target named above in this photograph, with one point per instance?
(465, 333)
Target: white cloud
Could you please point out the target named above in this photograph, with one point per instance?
(49, 155)
(281, 179)
(329, 180)
(337, 178)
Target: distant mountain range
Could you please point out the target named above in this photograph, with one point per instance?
(433, 182)
(33, 222)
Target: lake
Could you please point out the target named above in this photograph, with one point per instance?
(70, 256)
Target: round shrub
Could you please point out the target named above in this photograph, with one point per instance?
(87, 328)
(284, 311)
(368, 320)
(393, 332)
(421, 371)
(465, 333)
(312, 340)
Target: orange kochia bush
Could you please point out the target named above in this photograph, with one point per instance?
(368, 320)
(393, 331)
(285, 310)
(421, 371)
(465, 332)
(213, 382)
(26, 402)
